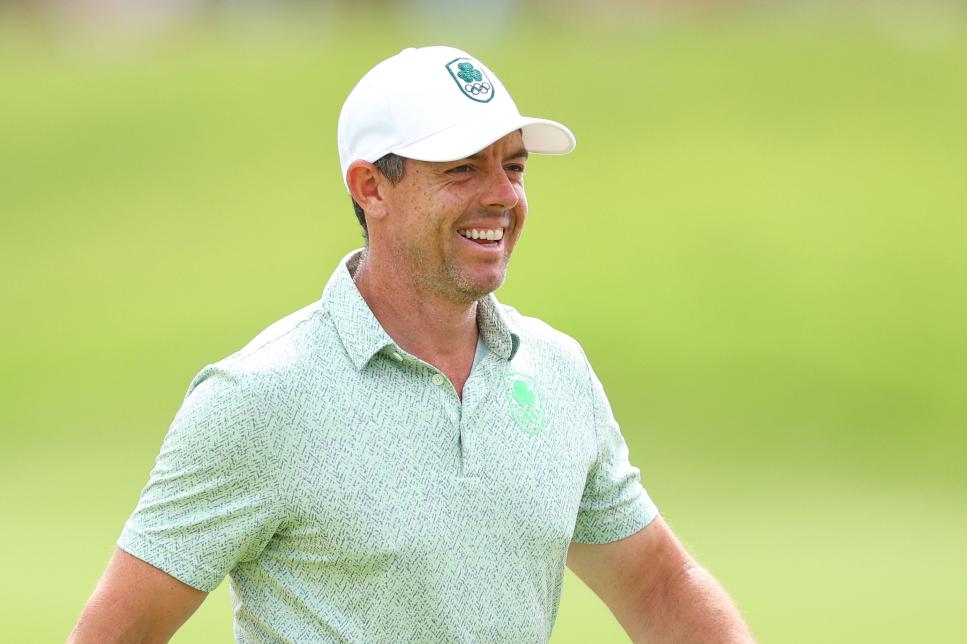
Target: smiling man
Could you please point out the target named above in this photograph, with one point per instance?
(407, 459)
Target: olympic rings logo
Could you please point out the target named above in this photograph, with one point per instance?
(477, 88)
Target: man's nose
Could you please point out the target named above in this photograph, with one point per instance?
(500, 193)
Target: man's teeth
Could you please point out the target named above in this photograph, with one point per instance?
(495, 234)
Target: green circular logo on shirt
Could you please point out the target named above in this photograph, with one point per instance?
(524, 403)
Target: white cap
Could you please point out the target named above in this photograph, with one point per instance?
(435, 104)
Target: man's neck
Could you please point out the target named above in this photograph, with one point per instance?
(438, 330)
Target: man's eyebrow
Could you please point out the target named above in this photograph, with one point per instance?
(516, 154)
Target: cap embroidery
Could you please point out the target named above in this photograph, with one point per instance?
(472, 81)
(468, 73)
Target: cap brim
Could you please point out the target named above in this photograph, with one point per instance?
(541, 136)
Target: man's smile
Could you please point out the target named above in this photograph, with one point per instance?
(483, 234)
(489, 240)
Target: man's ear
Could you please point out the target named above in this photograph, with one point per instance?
(366, 184)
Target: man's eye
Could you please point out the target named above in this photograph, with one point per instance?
(460, 169)
(515, 167)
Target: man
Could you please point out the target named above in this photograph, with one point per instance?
(407, 459)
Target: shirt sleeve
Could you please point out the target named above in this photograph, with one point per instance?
(212, 499)
(614, 504)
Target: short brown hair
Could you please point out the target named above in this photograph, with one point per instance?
(391, 166)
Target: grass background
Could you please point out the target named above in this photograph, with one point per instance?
(759, 241)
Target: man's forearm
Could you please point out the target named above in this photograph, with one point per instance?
(691, 606)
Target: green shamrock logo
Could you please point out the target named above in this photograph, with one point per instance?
(468, 73)
(523, 394)
(524, 403)
(471, 78)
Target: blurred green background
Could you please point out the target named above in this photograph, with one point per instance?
(759, 241)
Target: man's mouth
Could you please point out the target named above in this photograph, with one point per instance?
(483, 236)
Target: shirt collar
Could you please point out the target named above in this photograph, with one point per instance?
(363, 336)
(495, 329)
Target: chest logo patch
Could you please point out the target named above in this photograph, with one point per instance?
(471, 79)
(524, 403)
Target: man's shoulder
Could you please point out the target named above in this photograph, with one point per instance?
(537, 334)
(283, 335)
(281, 342)
(281, 351)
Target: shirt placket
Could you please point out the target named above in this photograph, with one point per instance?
(458, 412)
(474, 392)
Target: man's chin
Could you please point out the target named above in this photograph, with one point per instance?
(475, 287)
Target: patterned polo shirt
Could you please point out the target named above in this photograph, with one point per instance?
(350, 495)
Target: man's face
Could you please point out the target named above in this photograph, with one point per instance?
(436, 207)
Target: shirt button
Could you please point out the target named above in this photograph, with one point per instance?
(437, 379)
(397, 357)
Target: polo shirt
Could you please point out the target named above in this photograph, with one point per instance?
(350, 495)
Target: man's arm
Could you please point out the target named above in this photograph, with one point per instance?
(657, 591)
(135, 602)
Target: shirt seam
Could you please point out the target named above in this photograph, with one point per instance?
(279, 493)
(594, 410)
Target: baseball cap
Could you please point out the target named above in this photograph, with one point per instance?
(436, 104)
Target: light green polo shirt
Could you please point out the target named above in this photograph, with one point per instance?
(351, 496)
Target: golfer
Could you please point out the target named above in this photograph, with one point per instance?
(407, 460)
